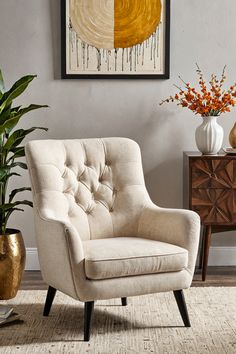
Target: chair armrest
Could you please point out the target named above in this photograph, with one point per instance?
(60, 250)
(176, 226)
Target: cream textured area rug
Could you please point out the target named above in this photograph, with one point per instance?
(149, 324)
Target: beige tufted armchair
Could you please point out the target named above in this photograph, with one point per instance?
(99, 235)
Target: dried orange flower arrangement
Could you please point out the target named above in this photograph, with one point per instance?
(209, 101)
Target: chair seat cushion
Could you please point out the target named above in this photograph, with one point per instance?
(127, 256)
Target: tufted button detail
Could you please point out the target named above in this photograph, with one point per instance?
(108, 163)
(88, 186)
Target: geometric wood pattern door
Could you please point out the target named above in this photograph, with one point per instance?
(213, 190)
(210, 190)
(213, 173)
(215, 206)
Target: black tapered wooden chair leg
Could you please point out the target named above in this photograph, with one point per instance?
(179, 297)
(124, 301)
(88, 313)
(49, 300)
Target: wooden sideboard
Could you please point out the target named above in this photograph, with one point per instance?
(210, 190)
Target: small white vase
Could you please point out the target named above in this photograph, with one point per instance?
(209, 136)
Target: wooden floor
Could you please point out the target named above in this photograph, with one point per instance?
(216, 276)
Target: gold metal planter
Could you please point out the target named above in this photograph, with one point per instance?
(12, 263)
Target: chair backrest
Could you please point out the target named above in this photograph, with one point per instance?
(95, 184)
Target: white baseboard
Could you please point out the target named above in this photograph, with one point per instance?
(219, 256)
(222, 256)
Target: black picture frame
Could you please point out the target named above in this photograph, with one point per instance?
(164, 76)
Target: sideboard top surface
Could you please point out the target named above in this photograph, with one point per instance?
(221, 154)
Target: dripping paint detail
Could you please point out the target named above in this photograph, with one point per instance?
(107, 60)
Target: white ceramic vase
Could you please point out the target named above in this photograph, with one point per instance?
(209, 136)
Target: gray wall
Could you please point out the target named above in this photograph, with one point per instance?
(202, 31)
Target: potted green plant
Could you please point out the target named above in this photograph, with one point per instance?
(12, 249)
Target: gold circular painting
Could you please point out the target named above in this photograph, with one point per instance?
(109, 24)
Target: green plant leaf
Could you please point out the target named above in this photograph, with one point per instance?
(10, 145)
(5, 113)
(9, 124)
(15, 109)
(24, 202)
(2, 85)
(14, 174)
(3, 173)
(17, 89)
(17, 152)
(18, 190)
(18, 164)
(32, 107)
(18, 135)
(4, 170)
(8, 214)
(9, 118)
(19, 209)
(4, 178)
(20, 85)
(8, 206)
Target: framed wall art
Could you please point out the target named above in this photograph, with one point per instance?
(115, 39)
